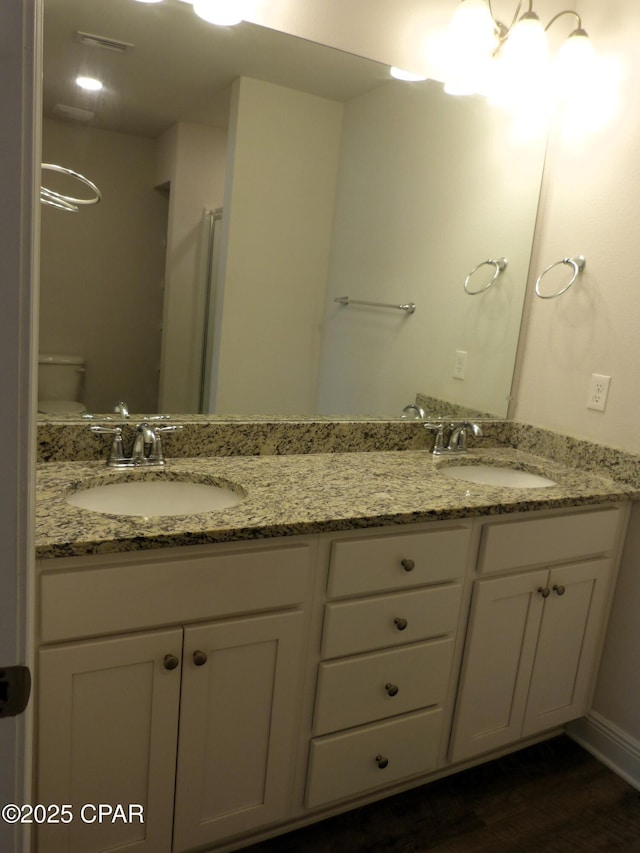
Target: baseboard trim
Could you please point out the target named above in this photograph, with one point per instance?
(609, 744)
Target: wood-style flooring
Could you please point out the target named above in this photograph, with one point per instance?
(550, 798)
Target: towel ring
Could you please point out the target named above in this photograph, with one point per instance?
(578, 265)
(500, 264)
(66, 202)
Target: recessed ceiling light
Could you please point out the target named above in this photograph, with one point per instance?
(149, 1)
(89, 83)
(225, 13)
(409, 76)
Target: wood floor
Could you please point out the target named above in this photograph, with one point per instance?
(549, 798)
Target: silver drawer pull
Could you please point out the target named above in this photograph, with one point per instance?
(392, 689)
(171, 662)
(559, 589)
(400, 624)
(199, 658)
(408, 565)
(544, 591)
(381, 761)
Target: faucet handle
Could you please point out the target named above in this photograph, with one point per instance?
(438, 427)
(116, 456)
(157, 454)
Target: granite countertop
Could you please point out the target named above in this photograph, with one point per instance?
(305, 493)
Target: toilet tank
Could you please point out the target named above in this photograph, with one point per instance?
(61, 378)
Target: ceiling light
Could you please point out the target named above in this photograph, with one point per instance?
(224, 13)
(89, 83)
(149, 1)
(408, 76)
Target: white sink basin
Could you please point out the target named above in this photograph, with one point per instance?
(155, 497)
(496, 475)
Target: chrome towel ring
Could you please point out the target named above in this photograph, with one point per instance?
(500, 265)
(66, 202)
(578, 265)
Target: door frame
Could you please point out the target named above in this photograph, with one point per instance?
(20, 41)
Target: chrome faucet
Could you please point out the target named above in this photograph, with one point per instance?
(457, 436)
(147, 446)
(413, 412)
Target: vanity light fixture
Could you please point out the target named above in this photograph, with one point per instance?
(512, 64)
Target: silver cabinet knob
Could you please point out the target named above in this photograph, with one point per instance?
(171, 662)
(199, 658)
(544, 591)
(408, 565)
(392, 689)
(400, 624)
(559, 589)
(381, 761)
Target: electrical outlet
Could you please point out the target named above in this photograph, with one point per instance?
(598, 390)
(460, 364)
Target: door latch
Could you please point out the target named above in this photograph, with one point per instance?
(15, 689)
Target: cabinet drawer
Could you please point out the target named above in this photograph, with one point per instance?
(539, 541)
(351, 763)
(351, 627)
(155, 588)
(363, 566)
(355, 691)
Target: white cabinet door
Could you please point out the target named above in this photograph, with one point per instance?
(501, 645)
(107, 733)
(568, 645)
(531, 652)
(240, 706)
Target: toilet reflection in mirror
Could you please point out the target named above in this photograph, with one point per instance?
(61, 384)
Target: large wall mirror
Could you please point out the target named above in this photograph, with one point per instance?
(249, 179)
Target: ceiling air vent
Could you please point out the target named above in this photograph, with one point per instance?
(102, 41)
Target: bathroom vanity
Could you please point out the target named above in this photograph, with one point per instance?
(310, 651)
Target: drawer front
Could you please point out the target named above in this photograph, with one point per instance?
(351, 627)
(355, 691)
(360, 567)
(152, 591)
(348, 764)
(540, 541)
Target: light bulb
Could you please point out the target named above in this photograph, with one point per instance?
(224, 13)
(575, 66)
(471, 41)
(522, 81)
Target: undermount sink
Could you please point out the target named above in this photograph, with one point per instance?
(496, 475)
(155, 497)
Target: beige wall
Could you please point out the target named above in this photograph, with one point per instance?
(429, 186)
(278, 217)
(591, 205)
(102, 268)
(192, 164)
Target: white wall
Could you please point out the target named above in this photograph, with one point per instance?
(278, 218)
(102, 268)
(429, 187)
(191, 161)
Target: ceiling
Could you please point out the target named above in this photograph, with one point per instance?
(179, 68)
